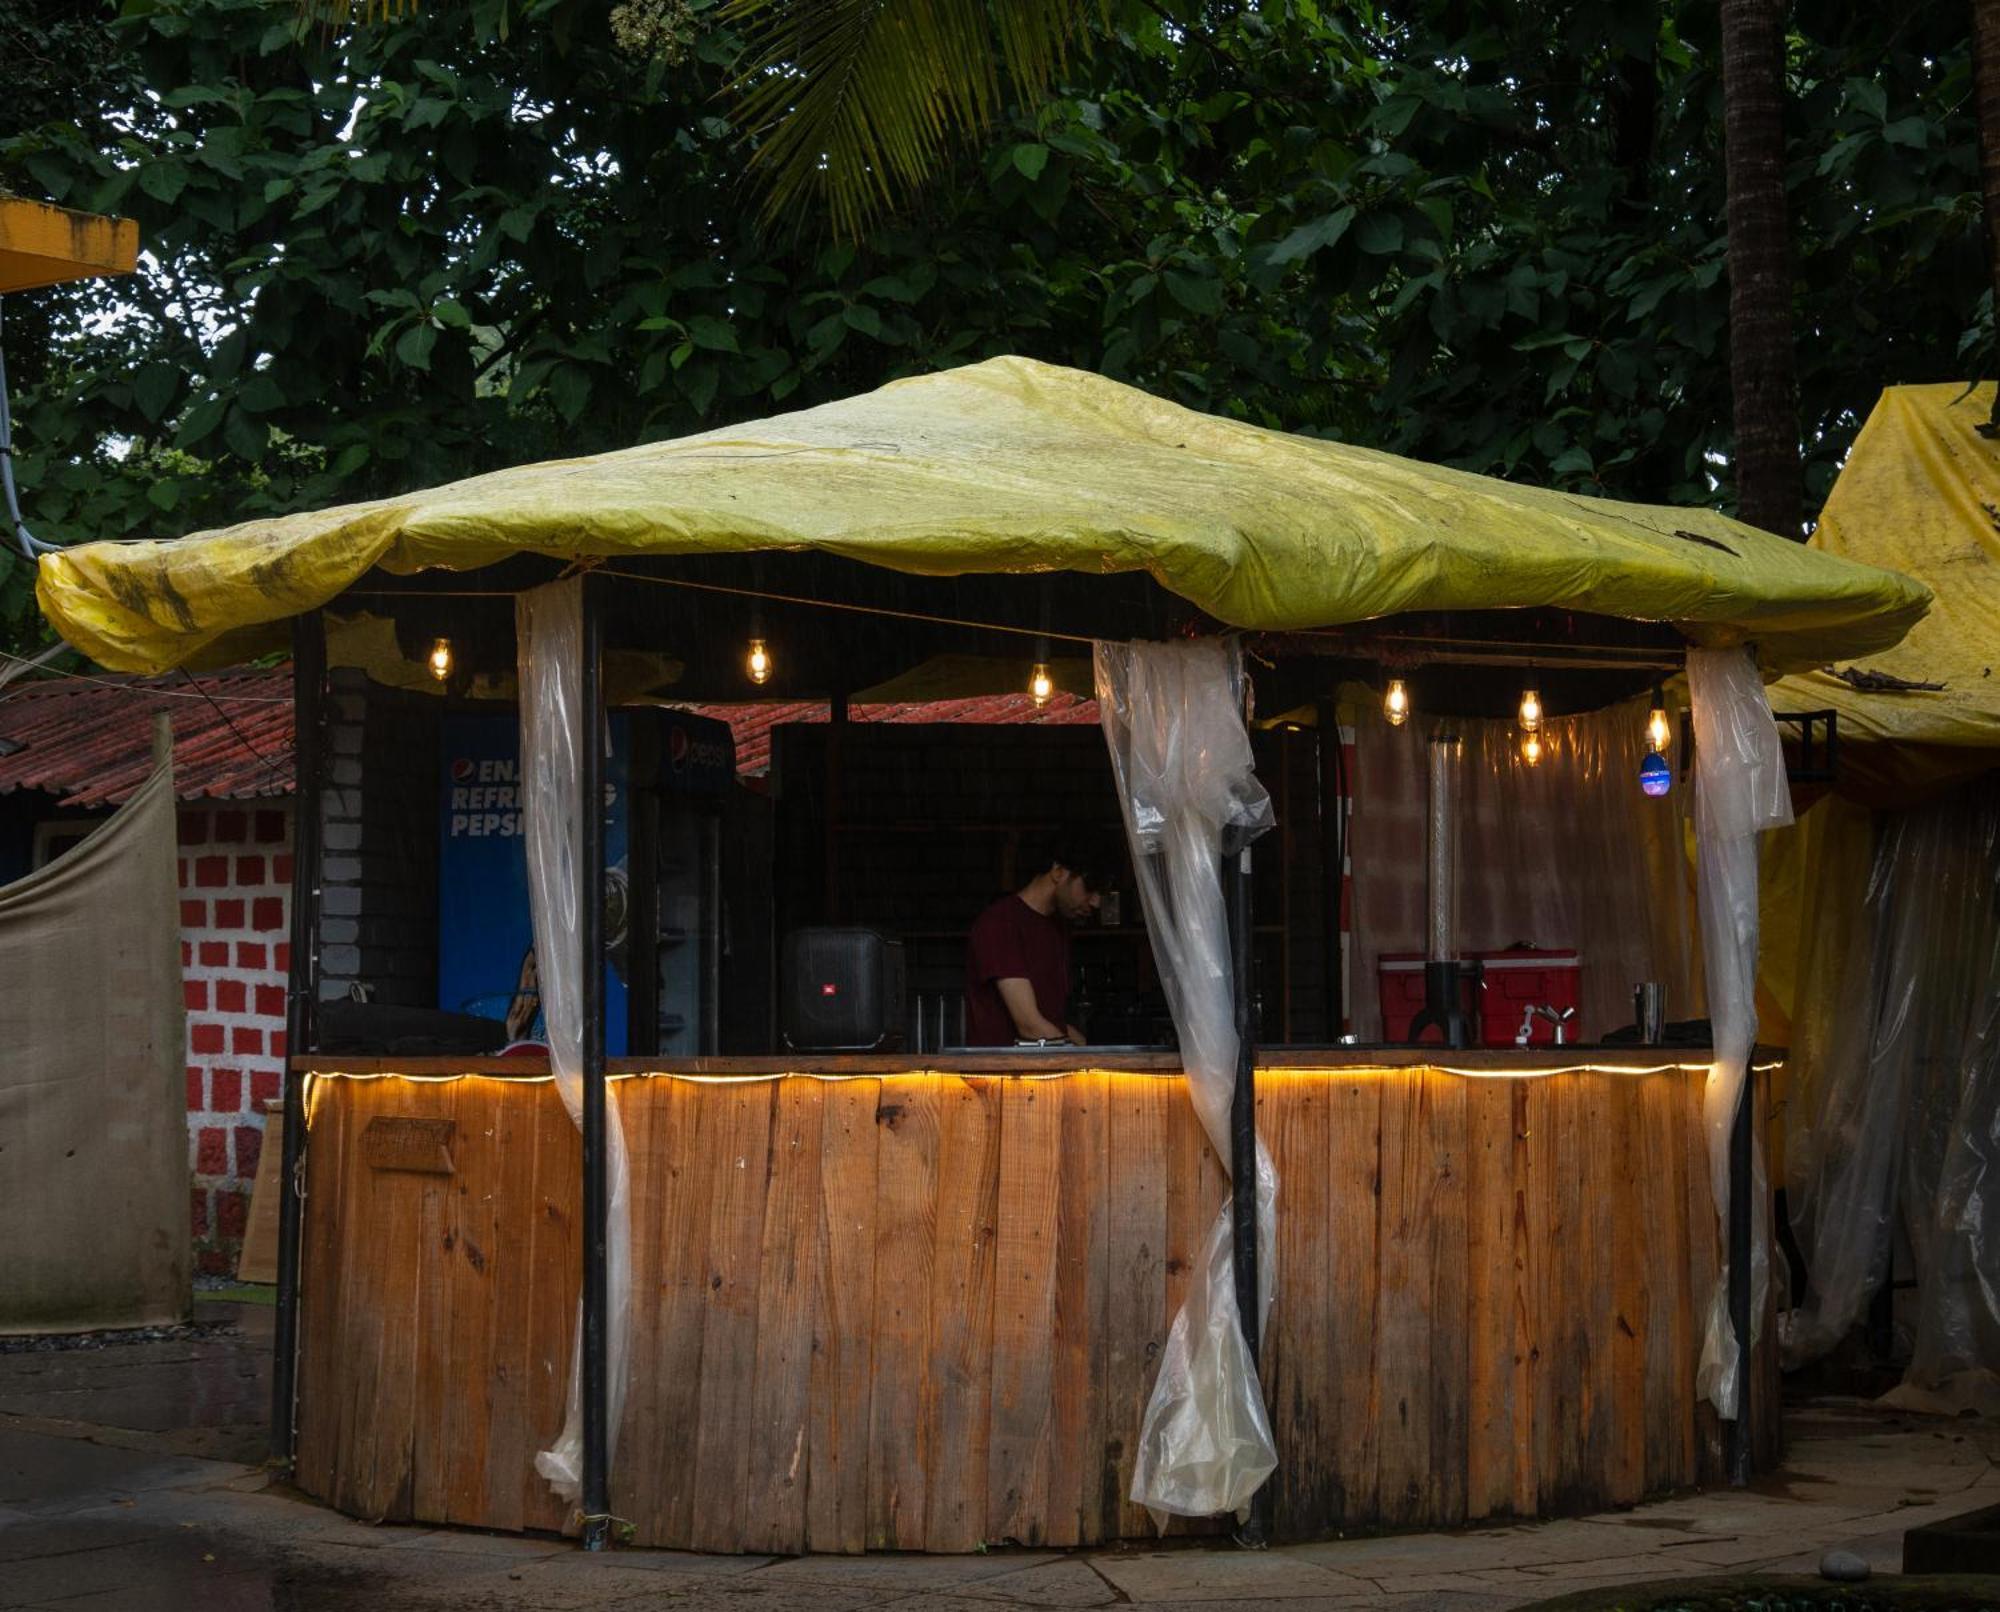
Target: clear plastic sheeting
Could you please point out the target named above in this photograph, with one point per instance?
(1896, 1116)
(1180, 752)
(1567, 853)
(549, 626)
(1740, 790)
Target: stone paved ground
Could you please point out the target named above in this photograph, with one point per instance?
(129, 1480)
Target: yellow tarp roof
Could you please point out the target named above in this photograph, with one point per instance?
(1009, 466)
(1920, 492)
(43, 245)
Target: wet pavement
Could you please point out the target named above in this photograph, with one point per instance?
(130, 1479)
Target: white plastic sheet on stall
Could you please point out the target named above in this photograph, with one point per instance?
(549, 628)
(1174, 722)
(1896, 1109)
(1740, 790)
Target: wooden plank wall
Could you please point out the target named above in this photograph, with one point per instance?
(924, 1312)
(437, 1310)
(1489, 1295)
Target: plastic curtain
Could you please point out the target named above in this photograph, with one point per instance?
(549, 627)
(1180, 753)
(1896, 1110)
(1567, 853)
(1740, 790)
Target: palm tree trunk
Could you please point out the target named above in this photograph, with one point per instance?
(1763, 384)
(1986, 76)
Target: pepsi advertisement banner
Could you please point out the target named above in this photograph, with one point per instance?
(486, 954)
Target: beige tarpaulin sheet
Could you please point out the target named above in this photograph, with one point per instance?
(1013, 466)
(93, 1108)
(1920, 492)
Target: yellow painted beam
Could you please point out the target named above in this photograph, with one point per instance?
(43, 245)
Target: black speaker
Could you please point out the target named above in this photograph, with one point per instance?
(841, 990)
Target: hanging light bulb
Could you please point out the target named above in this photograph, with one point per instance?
(1531, 749)
(440, 660)
(758, 662)
(1659, 735)
(1655, 776)
(1531, 709)
(1396, 703)
(1041, 686)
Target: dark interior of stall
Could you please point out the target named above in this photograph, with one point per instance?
(903, 828)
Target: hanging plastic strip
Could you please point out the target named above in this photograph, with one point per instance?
(549, 627)
(1180, 752)
(1740, 790)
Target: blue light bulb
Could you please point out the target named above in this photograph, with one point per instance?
(1655, 776)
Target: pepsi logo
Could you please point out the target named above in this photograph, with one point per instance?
(461, 770)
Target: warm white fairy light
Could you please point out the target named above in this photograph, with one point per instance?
(440, 660)
(1396, 703)
(758, 662)
(1041, 686)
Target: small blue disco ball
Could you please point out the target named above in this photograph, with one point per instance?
(1655, 776)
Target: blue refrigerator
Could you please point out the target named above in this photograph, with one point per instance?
(666, 774)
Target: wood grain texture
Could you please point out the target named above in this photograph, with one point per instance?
(1351, 1306)
(926, 1311)
(1027, 1267)
(738, 1188)
(1136, 1212)
(1077, 1502)
(958, 1376)
(788, 1280)
(843, 1359)
(1294, 1112)
(906, 1173)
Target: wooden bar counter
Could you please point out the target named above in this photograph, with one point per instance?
(878, 1306)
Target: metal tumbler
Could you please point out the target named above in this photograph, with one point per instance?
(1649, 1012)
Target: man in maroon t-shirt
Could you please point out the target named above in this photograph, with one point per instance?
(1017, 957)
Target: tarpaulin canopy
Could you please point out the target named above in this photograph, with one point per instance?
(1013, 466)
(1920, 492)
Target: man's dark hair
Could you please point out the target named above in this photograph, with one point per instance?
(1089, 852)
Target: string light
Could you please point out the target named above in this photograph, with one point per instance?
(1531, 710)
(1396, 703)
(758, 662)
(1531, 749)
(1659, 735)
(1041, 686)
(440, 660)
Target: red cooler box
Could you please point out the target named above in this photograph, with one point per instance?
(1515, 979)
(1400, 977)
(1525, 977)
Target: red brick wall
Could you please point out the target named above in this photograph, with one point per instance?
(235, 876)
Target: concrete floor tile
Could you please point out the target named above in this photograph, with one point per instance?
(1065, 1582)
(1208, 1574)
(913, 1575)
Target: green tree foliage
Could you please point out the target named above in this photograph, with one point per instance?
(1487, 234)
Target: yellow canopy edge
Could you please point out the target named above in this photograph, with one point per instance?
(43, 245)
(1008, 466)
(1920, 492)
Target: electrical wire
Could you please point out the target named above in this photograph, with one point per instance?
(242, 738)
(147, 689)
(758, 594)
(29, 545)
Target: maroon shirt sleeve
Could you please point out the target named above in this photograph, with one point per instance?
(995, 949)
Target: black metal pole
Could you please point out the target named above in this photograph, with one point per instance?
(1333, 857)
(1243, 1137)
(1742, 1141)
(596, 1179)
(301, 1013)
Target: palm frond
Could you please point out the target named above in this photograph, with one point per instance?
(856, 104)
